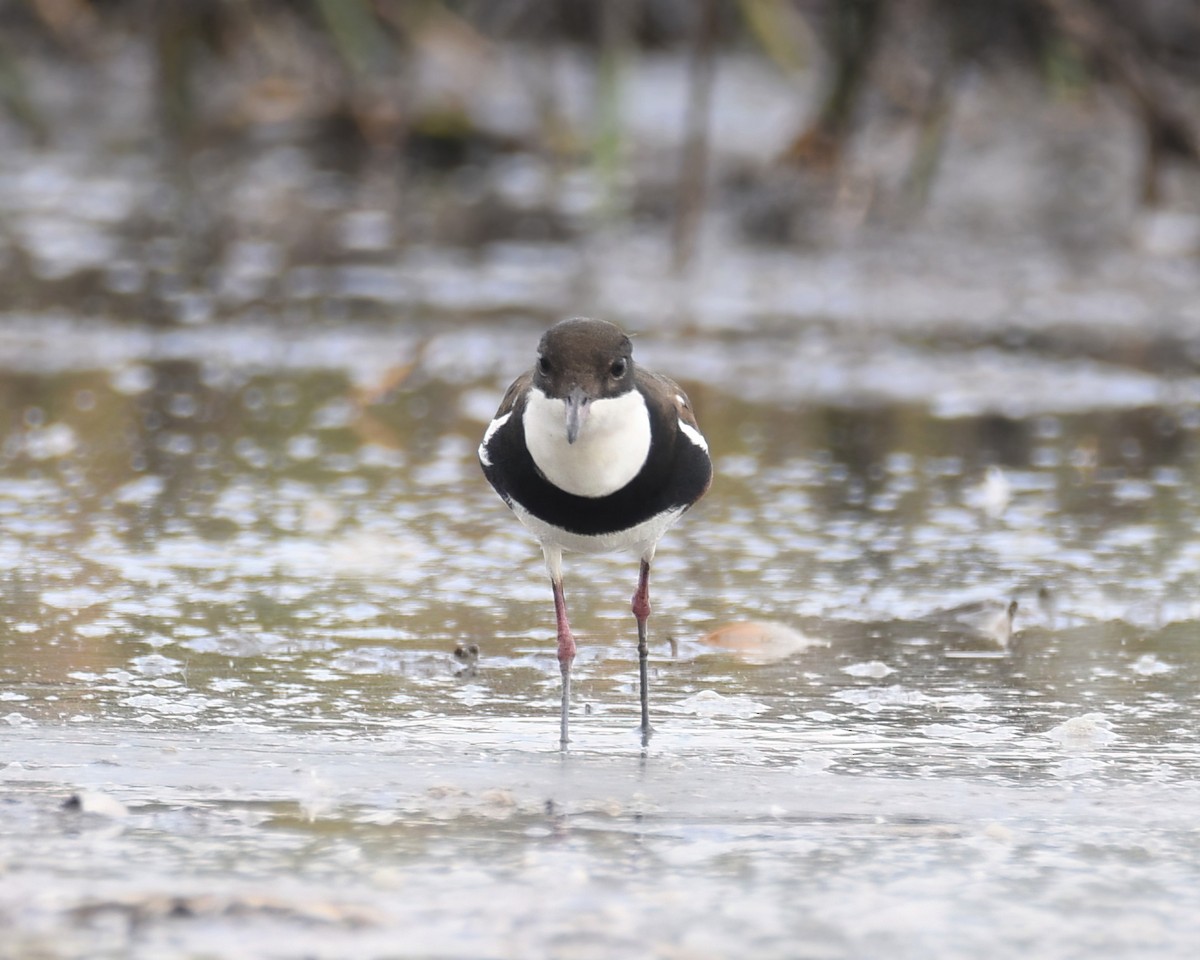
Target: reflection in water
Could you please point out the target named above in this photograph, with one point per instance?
(214, 512)
(244, 512)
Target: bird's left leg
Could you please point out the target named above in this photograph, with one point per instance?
(641, 610)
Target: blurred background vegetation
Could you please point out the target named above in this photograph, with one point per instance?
(171, 146)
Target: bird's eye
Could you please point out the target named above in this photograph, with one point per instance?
(543, 365)
(618, 368)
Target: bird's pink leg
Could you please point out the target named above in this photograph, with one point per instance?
(566, 653)
(641, 610)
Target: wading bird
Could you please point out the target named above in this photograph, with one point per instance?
(594, 453)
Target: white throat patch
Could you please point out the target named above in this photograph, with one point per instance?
(609, 451)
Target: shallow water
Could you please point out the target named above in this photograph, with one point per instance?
(237, 567)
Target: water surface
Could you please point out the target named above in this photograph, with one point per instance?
(238, 566)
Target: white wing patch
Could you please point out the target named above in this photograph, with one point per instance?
(694, 435)
(487, 436)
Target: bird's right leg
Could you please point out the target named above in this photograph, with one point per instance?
(566, 641)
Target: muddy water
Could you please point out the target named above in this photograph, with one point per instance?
(238, 565)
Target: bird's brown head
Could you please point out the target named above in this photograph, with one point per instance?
(582, 360)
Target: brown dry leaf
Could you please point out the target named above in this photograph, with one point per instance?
(395, 375)
(762, 640)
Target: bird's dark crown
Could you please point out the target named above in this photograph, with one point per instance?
(594, 355)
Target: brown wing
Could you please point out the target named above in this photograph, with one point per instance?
(691, 469)
(519, 386)
(671, 397)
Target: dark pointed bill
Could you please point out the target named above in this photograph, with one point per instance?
(578, 406)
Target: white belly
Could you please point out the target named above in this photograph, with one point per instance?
(639, 540)
(611, 447)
